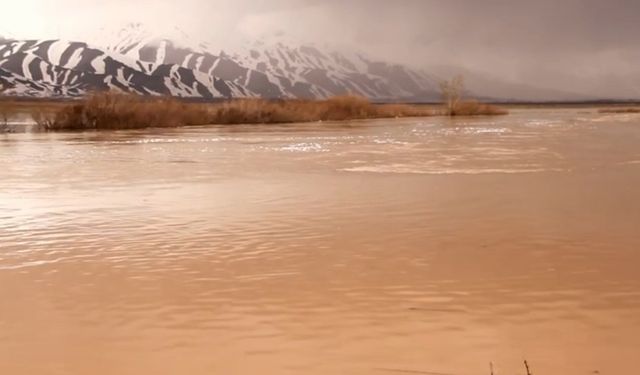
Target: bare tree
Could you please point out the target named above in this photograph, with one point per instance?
(452, 91)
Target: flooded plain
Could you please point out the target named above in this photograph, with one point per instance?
(430, 246)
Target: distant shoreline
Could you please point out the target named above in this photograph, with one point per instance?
(550, 103)
(24, 107)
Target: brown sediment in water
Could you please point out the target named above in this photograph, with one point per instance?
(254, 249)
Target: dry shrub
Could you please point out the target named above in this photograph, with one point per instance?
(475, 108)
(123, 111)
(259, 111)
(452, 93)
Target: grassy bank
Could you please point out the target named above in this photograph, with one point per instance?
(117, 111)
(110, 111)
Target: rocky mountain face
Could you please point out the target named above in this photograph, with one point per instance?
(137, 62)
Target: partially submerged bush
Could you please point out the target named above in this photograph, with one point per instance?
(452, 92)
(120, 111)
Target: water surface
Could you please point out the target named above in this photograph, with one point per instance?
(387, 246)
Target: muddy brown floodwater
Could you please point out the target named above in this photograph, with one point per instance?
(376, 247)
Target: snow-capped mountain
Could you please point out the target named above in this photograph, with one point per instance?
(277, 69)
(75, 68)
(329, 72)
(137, 61)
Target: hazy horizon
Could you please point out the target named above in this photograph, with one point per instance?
(584, 47)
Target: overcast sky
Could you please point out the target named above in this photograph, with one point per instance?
(574, 45)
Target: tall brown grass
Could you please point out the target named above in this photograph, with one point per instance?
(341, 108)
(475, 108)
(120, 111)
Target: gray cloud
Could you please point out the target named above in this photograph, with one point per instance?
(585, 46)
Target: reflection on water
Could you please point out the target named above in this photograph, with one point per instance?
(425, 245)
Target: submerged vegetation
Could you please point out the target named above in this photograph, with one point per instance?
(119, 111)
(102, 111)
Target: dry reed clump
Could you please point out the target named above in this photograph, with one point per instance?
(619, 110)
(341, 108)
(405, 110)
(475, 108)
(258, 111)
(120, 111)
(348, 108)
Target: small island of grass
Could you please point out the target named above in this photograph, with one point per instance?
(114, 110)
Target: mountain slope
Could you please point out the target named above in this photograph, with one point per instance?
(277, 69)
(77, 66)
(331, 72)
(12, 84)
